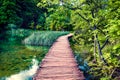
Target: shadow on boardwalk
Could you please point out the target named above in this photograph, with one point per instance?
(59, 63)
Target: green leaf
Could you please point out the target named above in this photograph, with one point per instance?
(117, 46)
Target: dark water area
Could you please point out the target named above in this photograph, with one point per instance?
(18, 61)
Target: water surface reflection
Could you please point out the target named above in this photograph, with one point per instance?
(27, 74)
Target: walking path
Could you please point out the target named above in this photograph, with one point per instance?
(59, 63)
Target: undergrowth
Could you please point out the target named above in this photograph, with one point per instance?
(97, 70)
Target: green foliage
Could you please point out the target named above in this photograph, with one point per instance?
(28, 11)
(113, 24)
(17, 34)
(59, 20)
(101, 18)
(20, 13)
(45, 38)
(8, 14)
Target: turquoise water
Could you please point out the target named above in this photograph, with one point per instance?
(17, 59)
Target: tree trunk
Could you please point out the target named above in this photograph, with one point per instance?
(95, 51)
(100, 51)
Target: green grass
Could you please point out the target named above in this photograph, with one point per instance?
(45, 38)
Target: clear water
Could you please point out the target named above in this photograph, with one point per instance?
(19, 62)
(26, 74)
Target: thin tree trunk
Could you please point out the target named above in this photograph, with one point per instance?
(100, 51)
(95, 51)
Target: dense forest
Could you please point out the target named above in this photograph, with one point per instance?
(95, 24)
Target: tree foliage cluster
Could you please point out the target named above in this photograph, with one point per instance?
(57, 17)
(96, 26)
(42, 15)
(18, 12)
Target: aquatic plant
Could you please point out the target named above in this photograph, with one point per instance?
(45, 38)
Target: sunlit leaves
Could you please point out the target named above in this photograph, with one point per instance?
(105, 16)
(59, 20)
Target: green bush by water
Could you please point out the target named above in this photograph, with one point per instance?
(45, 38)
(18, 34)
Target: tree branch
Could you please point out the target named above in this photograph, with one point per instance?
(106, 41)
(101, 31)
(83, 17)
(100, 51)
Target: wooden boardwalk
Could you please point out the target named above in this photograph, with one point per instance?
(59, 63)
